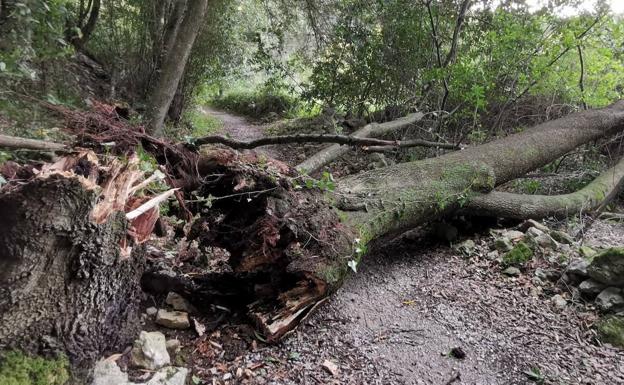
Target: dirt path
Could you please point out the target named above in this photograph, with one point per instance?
(241, 128)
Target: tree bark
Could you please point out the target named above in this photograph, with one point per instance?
(29, 144)
(521, 206)
(70, 261)
(173, 65)
(291, 247)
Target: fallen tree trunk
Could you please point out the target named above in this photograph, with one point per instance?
(521, 206)
(29, 144)
(373, 130)
(290, 247)
(70, 262)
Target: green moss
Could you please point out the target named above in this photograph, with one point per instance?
(587, 252)
(17, 368)
(611, 330)
(520, 254)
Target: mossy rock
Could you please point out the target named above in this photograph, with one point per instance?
(520, 254)
(587, 252)
(17, 368)
(611, 330)
(608, 267)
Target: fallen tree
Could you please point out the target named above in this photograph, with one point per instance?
(290, 246)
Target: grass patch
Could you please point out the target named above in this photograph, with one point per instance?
(17, 368)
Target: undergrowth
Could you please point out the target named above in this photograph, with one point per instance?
(17, 368)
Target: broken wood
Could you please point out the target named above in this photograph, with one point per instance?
(70, 262)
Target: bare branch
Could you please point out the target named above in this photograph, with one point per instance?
(29, 144)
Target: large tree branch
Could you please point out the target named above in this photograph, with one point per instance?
(508, 205)
(318, 138)
(29, 144)
(373, 130)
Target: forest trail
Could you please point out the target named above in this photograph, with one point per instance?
(241, 128)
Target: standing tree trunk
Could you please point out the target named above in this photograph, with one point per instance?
(173, 65)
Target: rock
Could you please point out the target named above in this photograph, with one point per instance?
(578, 266)
(512, 271)
(330, 367)
(173, 346)
(520, 254)
(610, 299)
(608, 267)
(513, 235)
(177, 302)
(587, 251)
(107, 372)
(524, 226)
(173, 319)
(503, 244)
(559, 301)
(562, 237)
(547, 274)
(169, 375)
(151, 311)
(534, 232)
(150, 351)
(545, 241)
(466, 247)
(590, 288)
(611, 330)
(492, 255)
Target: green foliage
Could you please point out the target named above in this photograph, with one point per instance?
(326, 183)
(263, 103)
(17, 368)
(527, 186)
(520, 254)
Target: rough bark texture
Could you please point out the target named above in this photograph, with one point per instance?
(373, 130)
(62, 277)
(522, 206)
(174, 64)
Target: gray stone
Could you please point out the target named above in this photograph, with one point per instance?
(578, 266)
(533, 223)
(608, 267)
(610, 298)
(177, 302)
(173, 319)
(466, 247)
(512, 271)
(169, 375)
(547, 274)
(503, 245)
(534, 232)
(173, 346)
(107, 372)
(151, 311)
(559, 301)
(591, 288)
(562, 237)
(150, 351)
(492, 255)
(513, 235)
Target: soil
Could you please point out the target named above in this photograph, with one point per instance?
(419, 312)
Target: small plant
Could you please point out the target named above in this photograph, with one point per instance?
(17, 368)
(535, 374)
